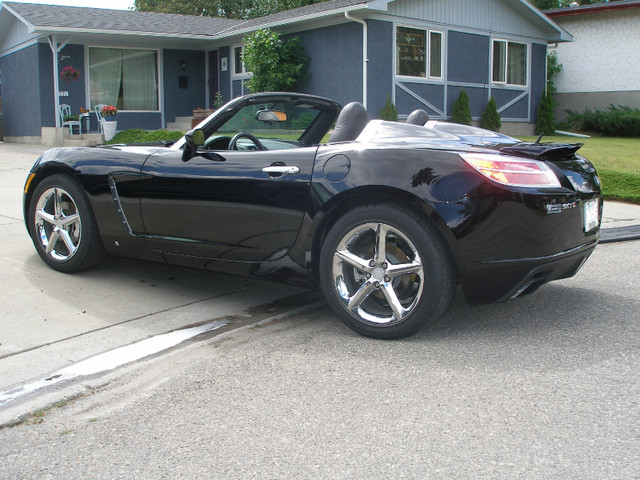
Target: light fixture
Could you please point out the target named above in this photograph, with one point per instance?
(183, 64)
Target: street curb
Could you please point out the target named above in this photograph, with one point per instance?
(619, 234)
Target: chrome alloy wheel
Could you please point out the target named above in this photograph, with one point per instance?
(378, 273)
(57, 224)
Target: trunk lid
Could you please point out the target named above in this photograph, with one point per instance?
(573, 170)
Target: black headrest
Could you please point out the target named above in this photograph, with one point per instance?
(418, 117)
(351, 121)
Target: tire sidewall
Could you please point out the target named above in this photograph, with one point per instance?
(90, 250)
(438, 268)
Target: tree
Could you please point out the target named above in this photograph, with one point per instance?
(276, 66)
(389, 111)
(241, 9)
(545, 122)
(490, 117)
(553, 69)
(460, 112)
(552, 4)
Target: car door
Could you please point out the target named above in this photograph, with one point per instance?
(229, 205)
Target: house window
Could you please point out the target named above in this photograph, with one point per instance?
(238, 64)
(125, 78)
(418, 53)
(509, 62)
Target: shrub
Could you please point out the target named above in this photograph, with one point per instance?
(141, 136)
(389, 111)
(277, 66)
(546, 123)
(490, 117)
(615, 122)
(461, 113)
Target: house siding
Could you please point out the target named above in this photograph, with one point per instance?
(495, 16)
(611, 42)
(334, 72)
(468, 59)
(224, 77)
(76, 90)
(538, 79)
(16, 36)
(380, 65)
(21, 113)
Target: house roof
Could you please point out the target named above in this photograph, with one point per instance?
(68, 19)
(50, 19)
(593, 9)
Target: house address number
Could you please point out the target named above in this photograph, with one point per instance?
(63, 94)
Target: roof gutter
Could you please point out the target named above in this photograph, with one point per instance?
(69, 31)
(598, 8)
(365, 54)
(280, 23)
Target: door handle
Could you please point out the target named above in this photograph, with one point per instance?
(279, 170)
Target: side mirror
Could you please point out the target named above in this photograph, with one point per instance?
(194, 139)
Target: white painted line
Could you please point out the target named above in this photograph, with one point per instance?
(112, 359)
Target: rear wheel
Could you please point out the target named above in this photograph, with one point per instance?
(62, 225)
(386, 272)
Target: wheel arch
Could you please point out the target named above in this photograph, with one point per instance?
(45, 171)
(357, 197)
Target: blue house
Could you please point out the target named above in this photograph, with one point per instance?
(158, 67)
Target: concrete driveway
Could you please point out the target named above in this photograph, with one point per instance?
(542, 387)
(51, 321)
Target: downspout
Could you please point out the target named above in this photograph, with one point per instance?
(365, 55)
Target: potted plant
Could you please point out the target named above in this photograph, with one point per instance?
(69, 73)
(84, 118)
(109, 123)
(200, 114)
(108, 112)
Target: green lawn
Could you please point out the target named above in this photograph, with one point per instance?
(617, 161)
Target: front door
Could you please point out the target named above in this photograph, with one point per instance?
(213, 77)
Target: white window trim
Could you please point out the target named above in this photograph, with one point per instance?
(159, 71)
(234, 75)
(428, 32)
(506, 71)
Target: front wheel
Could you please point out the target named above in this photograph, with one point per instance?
(62, 225)
(386, 272)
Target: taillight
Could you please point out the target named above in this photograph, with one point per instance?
(515, 172)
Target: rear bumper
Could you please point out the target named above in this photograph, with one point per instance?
(498, 281)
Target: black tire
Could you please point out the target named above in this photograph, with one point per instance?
(62, 225)
(392, 293)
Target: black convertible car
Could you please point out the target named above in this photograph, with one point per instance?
(387, 218)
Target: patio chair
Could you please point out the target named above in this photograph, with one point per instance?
(98, 110)
(65, 111)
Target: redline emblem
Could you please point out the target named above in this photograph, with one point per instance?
(559, 207)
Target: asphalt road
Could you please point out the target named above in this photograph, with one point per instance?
(546, 386)
(542, 387)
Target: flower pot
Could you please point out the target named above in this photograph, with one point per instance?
(109, 129)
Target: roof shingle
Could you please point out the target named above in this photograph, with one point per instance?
(51, 16)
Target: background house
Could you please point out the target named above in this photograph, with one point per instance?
(157, 67)
(601, 67)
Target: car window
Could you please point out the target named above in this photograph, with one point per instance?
(276, 125)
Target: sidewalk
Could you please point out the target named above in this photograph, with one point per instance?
(620, 221)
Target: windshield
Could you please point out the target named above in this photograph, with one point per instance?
(275, 125)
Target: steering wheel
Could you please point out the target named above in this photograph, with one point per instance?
(233, 143)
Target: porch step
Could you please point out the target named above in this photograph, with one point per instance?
(181, 124)
(84, 140)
